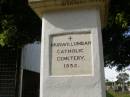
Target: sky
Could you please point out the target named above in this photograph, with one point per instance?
(111, 74)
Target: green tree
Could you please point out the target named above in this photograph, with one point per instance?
(19, 25)
(122, 78)
(116, 35)
(128, 83)
(108, 83)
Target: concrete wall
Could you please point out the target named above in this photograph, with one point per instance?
(76, 21)
(30, 59)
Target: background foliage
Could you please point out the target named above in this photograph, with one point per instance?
(116, 35)
(117, 94)
(19, 25)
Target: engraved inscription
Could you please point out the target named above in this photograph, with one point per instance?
(71, 54)
(72, 2)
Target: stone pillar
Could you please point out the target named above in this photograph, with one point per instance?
(72, 59)
(71, 49)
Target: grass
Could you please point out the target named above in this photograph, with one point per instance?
(117, 94)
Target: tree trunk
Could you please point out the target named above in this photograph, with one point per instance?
(123, 86)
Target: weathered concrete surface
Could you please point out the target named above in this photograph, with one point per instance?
(79, 85)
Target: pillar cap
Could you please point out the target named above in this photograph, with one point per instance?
(41, 6)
